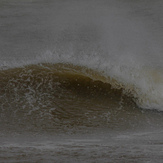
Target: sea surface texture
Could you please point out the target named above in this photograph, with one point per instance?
(81, 81)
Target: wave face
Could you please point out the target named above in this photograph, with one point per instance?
(59, 95)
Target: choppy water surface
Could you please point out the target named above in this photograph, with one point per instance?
(81, 81)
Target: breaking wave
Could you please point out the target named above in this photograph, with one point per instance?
(143, 85)
(47, 95)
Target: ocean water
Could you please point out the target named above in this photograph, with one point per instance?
(81, 81)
